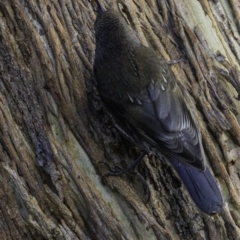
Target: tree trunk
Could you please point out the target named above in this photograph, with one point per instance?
(57, 143)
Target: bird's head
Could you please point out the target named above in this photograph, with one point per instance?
(112, 32)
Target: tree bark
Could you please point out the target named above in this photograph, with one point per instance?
(57, 143)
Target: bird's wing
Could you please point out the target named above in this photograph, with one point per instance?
(162, 119)
(165, 123)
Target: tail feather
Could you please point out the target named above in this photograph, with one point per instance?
(201, 186)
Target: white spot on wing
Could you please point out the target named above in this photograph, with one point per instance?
(130, 98)
(164, 79)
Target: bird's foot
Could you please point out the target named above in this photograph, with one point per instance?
(117, 172)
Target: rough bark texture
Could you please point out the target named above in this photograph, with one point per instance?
(56, 142)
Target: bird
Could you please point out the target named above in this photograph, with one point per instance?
(141, 93)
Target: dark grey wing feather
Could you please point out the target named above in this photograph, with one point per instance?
(176, 120)
(164, 121)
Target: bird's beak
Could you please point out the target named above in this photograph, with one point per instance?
(99, 7)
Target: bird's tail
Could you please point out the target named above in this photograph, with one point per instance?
(201, 186)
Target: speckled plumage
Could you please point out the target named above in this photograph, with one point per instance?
(139, 89)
